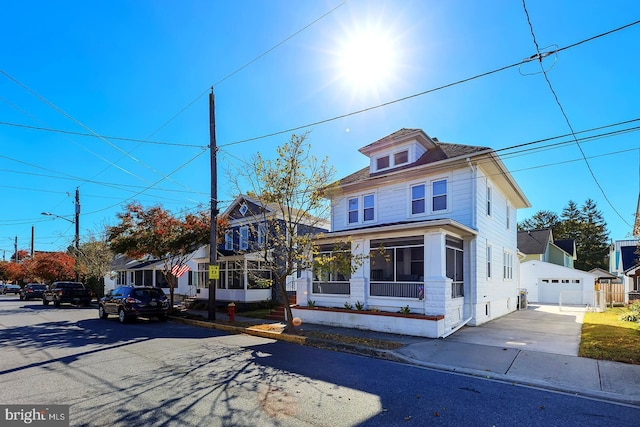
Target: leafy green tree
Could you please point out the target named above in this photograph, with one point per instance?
(157, 232)
(94, 261)
(294, 184)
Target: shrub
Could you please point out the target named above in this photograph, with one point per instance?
(348, 306)
(359, 306)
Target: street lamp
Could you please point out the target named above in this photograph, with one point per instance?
(77, 223)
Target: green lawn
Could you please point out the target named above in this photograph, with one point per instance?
(606, 337)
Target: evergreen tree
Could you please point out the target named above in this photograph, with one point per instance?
(541, 220)
(570, 223)
(592, 246)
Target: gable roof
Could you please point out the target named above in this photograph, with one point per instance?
(567, 245)
(438, 156)
(534, 241)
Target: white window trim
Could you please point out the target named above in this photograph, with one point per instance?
(508, 215)
(228, 240)
(489, 206)
(447, 194)
(507, 268)
(244, 238)
(489, 261)
(360, 198)
(410, 199)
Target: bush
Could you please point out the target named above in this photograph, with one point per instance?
(633, 315)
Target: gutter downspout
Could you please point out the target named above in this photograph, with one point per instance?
(474, 225)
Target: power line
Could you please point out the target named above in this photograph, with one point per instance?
(236, 71)
(446, 86)
(115, 138)
(564, 114)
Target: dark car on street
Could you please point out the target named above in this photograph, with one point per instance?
(130, 302)
(32, 291)
(10, 289)
(67, 293)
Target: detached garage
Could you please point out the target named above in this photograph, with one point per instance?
(548, 283)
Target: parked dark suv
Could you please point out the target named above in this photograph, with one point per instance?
(130, 302)
(32, 291)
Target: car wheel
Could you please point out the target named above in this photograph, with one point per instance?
(45, 301)
(103, 314)
(21, 298)
(163, 317)
(121, 316)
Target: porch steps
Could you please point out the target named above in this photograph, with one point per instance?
(278, 313)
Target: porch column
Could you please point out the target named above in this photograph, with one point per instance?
(360, 278)
(435, 277)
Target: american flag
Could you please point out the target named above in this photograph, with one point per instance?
(179, 269)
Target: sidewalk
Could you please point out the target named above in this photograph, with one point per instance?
(606, 380)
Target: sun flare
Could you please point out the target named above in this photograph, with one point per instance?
(368, 60)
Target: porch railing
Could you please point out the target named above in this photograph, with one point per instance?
(396, 289)
(338, 288)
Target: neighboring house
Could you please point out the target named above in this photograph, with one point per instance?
(445, 215)
(149, 272)
(624, 262)
(244, 276)
(539, 245)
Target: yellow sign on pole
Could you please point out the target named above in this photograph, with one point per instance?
(214, 272)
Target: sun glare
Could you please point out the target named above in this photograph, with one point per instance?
(367, 60)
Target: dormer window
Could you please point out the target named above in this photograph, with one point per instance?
(382, 162)
(401, 158)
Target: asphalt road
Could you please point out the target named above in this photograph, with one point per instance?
(151, 373)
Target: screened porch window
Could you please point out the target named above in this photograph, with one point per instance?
(398, 269)
(455, 266)
(331, 271)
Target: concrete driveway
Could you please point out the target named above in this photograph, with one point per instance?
(543, 328)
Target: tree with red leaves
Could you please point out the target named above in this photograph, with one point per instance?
(158, 233)
(50, 266)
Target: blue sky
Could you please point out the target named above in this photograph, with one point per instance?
(141, 70)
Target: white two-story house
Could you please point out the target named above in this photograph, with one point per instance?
(435, 227)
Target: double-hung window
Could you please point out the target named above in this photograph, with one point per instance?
(488, 261)
(262, 234)
(368, 203)
(418, 197)
(228, 240)
(244, 238)
(488, 201)
(361, 209)
(439, 195)
(508, 265)
(353, 210)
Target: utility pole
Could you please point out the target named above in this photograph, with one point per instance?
(32, 238)
(15, 258)
(214, 205)
(77, 238)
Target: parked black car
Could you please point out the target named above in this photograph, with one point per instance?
(130, 302)
(10, 289)
(67, 293)
(32, 291)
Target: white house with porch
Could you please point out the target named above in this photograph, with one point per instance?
(435, 224)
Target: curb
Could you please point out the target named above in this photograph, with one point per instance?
(295, 339)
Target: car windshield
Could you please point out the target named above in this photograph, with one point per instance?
(70, 285)
(38, 287)
(147, 293)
